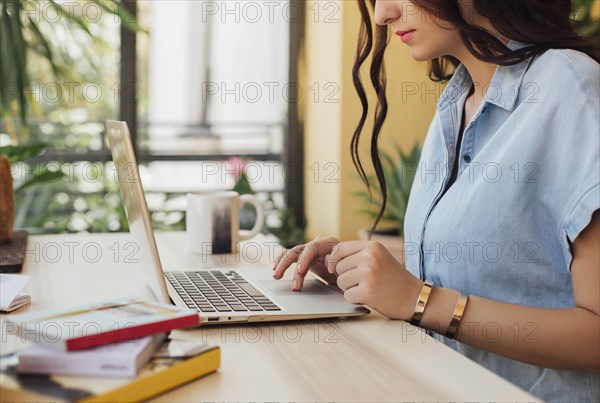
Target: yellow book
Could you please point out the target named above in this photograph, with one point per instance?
(170, 367)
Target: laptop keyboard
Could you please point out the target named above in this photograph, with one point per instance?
(218, 291)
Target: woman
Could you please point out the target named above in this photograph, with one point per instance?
(508, 231)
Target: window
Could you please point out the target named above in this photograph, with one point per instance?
(208, 83)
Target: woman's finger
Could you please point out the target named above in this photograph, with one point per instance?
(315, 250)
(355, 295)
(342, 250)
(278, 258)
(312, 254)
(349, 279)
(309, 255)
(347, 264)
(288, 257)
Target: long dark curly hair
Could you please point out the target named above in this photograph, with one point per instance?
(541, 24)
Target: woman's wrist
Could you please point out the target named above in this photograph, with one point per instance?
(440, 309)
(411, 294)
(421, 304)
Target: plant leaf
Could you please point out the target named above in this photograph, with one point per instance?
(78, 20)
(14, 69)
(45, 176)
(22, 152)
(44, 49)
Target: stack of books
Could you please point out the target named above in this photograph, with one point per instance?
(104, 352)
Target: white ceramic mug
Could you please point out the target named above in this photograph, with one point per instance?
(213, 221)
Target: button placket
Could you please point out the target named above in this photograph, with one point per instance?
(467, 147)
(469, 135)
(449, 122)
(467, 156)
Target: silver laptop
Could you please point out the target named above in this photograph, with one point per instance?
(220, 295)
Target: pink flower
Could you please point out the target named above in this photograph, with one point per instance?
(236, 167)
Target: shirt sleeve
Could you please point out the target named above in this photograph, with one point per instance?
(581, 215)
(572, 146)
(583, 143)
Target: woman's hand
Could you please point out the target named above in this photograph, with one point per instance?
(310, 256)
(368, 274)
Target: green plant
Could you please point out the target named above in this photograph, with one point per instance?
(399, 169)
(289, 233)
(25, 178)
(25, 31)
(43, 175)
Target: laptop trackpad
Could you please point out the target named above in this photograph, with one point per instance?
(284, 288)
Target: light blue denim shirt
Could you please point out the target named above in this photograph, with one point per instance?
(528, 184)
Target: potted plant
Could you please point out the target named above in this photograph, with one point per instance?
(13, 244)
(399, 169)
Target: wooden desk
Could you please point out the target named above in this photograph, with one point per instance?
(352, 360)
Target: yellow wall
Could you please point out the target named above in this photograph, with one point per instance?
(331, 207)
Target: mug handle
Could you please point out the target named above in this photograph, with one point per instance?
(260, 217)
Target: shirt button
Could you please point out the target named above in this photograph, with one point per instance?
(467, 158)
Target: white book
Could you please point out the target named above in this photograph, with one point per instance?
(10, 292)
(120, 360)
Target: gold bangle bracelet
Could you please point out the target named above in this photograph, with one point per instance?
(421, 303)
(459, 310)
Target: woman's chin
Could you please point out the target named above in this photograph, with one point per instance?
(421, 55)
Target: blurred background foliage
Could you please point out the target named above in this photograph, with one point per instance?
(58, 72)
(47, 44)
(586, 17)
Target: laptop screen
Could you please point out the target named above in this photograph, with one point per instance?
(136, 209)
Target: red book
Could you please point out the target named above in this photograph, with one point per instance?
(97, 324)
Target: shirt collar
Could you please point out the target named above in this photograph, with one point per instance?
(504, 87)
